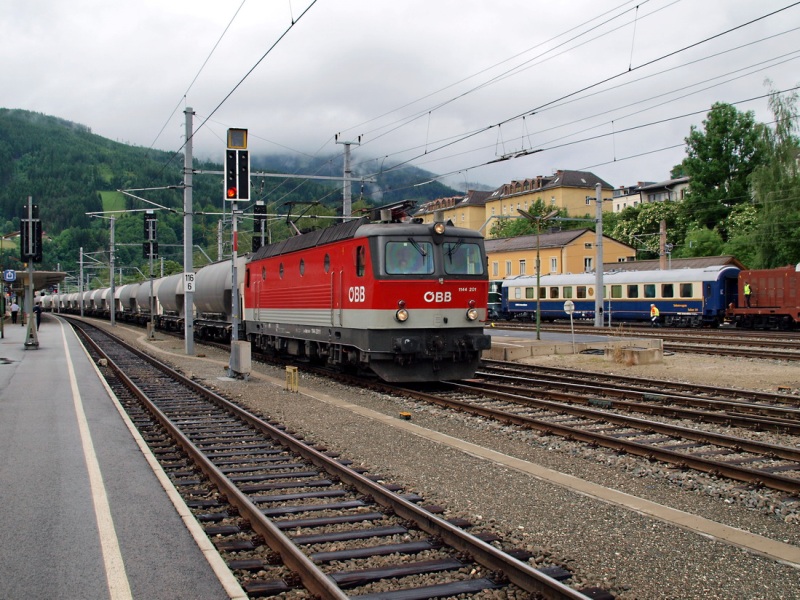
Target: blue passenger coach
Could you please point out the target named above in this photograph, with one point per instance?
(684, 297)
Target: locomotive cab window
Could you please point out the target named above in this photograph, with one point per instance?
(462, 258)
(411, 257)
(361, 261)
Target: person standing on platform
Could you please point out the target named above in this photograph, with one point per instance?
(38, 311)
(747, 292)
(14, 312)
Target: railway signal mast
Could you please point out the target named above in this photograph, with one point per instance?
(237, 187)
(31, 252)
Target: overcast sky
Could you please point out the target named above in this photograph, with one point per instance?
(602, 85)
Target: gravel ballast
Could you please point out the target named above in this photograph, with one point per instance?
(632, 555)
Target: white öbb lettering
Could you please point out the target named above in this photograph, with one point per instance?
(437, 297)
(356, 294)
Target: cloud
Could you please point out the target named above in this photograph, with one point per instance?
(438, 83)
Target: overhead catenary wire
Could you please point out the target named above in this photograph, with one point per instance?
(592, 85)
(199, 71)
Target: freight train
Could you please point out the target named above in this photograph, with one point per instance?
(404, 300)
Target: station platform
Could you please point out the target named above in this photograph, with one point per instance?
(83, 513)
(513, 344)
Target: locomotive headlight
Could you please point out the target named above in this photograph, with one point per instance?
(438, 228)
(472, 312)
(401, 314)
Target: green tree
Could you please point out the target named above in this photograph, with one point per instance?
(719, 160)
(640, 227)
(517, 225)
(776, 190)
(700, 241)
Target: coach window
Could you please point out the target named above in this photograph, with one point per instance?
(633, 291)
(580, 291)
(567, 289)
(529, 293)
(361, 261)
(327, 263)
(517, 293)
(667, 290)
(686, 290)
(302, 267)
(616, 291)
(649, 290)
(553, 292)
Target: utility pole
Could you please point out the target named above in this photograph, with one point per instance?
(80, 286)
(598, 269)
(188, 266)
(113, 309)
(347, 209)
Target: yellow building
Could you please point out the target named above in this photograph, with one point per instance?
(464, 211)
(572, 251)
(564, 190)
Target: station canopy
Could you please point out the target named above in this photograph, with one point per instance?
(42, 280)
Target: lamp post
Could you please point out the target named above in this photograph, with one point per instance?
(538, 219)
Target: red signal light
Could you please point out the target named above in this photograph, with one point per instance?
(231, 192)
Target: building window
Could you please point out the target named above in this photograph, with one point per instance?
(522, 267)
(495, 269)
(587, 264)
(508, 268)
(554, 265)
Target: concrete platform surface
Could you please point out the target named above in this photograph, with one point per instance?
(83, 514)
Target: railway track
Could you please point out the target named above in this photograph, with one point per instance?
(600, 421)
(287, 515)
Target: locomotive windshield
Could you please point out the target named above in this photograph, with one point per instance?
(462, 258)
(409, 258)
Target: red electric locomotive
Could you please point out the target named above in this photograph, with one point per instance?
(774, 301)
(404, 300)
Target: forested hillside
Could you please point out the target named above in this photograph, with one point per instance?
(69, 172)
